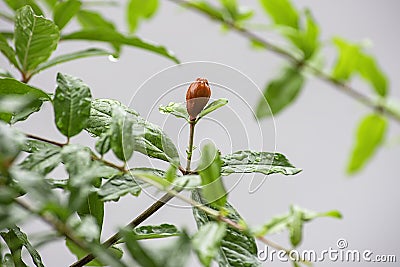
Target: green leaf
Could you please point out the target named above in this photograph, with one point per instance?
(156, 231)
(25, 242)
(32, 97)
(280, 92)
(83, 173)
(72, 102)
(5, 74)
(370, 135)
(170, 174)
(177, 109)
(139, 254)
(15, 245)
(212, 106)
(35, 38)
(150, 177)
(139, 10)
(50, 3)
(11, 143)
(114, 37)
(371, 72)
(353, 60)
(282, 12)
(234, 12)
(247, 161)
(91, 52)
(17, 4)
(122, 134)
(177, 253)
(210, 172)
(236, 247)
(295, 227)
(33, 145)
(151, 140)
(93, 20)
(103, 144)
(63, 12)
(8, 51)
(207, 8)
(35, 185)
(119, 186)
(188, 182)
(100, 115)
(293, 221)
(113, 253)
(93, 206)
(207, 241)
(122, 184)
(42, 161)
(305, 38)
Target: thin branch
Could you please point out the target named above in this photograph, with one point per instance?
(56, 224)
(31, 136)
(134, 223)
(190, 147)
(340, 85)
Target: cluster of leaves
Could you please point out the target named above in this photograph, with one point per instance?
(36, 38)
(74, 205)
(301, 34)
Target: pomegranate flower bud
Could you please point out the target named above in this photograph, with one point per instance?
(197, 96)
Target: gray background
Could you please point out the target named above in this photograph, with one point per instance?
(316, 133)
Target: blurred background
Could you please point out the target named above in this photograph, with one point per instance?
(316, 133)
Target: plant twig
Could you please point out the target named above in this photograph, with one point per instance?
(340, 85)
(56, 224)
(190, 147)
(31, 136)
(134, 223)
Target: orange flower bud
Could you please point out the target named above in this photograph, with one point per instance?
(197, 96)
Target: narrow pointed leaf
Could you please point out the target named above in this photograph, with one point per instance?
(42, 161)
(11, 144)
(212, 107)
(122, 135)
(25, 242)
(35, 38)
(122, 184)
(156, 231)
(247, 161)
(114, 37)
(210, 172)
(139, 10)
(8, 51)
(370, 135)
(177, 109)
(63, 12)
(282, 12)
(72, 102)
(17, 4)
(138, 253)
(280, 92)
(353, 60)
(92, 52)
(207, 241)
